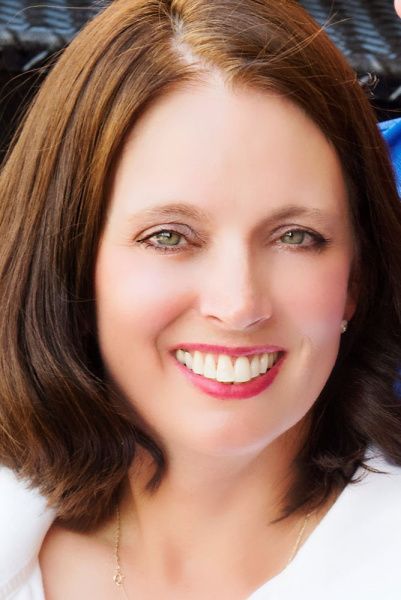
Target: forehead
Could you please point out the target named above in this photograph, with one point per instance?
(221, 148)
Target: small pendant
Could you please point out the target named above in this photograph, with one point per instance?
(118, 578)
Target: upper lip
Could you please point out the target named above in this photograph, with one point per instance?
(231, 350)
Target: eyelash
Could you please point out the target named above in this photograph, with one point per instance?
(166, 249)
(318, 243)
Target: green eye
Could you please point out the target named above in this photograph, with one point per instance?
(167, 238)
(296, 237)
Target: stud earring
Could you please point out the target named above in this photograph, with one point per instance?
(344, 326)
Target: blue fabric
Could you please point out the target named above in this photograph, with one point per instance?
(391, 131)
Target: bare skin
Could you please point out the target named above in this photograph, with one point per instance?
(91, 562)
(196, 547)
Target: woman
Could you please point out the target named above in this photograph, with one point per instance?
(200, 316)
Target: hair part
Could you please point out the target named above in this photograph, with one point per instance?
(63, 427)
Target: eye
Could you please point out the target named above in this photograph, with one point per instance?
(165, 240)
(295, 237)
(303, 239)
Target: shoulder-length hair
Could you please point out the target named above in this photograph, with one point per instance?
(61, 427)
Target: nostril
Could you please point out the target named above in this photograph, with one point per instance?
(238, 322)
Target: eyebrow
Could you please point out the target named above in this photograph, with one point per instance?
(179, 210)
(173, 210)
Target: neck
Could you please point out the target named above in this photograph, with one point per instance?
(214, 513)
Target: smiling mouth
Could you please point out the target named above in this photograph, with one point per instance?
(227, 369)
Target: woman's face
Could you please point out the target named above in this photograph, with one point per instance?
(228, 229)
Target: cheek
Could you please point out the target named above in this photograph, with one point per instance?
(139, 292)
(314, 296)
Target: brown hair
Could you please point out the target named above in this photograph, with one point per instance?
(60, 425)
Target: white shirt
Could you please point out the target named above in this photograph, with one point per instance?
(24, 521)
(353, 554)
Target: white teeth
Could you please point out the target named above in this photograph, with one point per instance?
(209, 369)
(180, 354)
(188, 360)
(225, 371)
(242, 370)
(255, 366)
(272, 359)
(264, 363)
(197, 365)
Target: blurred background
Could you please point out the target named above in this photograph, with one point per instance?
(33, 33)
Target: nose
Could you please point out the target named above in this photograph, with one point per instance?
(235, 292)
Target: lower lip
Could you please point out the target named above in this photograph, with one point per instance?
(232, 391)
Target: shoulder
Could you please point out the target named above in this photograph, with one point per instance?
(77, 565)
(24, 521)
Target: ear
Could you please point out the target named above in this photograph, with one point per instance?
(352, 297)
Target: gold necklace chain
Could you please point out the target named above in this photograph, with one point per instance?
(118, 577)
(299, 538)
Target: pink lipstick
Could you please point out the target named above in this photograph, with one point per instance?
(232, 391)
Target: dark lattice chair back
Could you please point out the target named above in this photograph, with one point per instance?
(367, 31)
